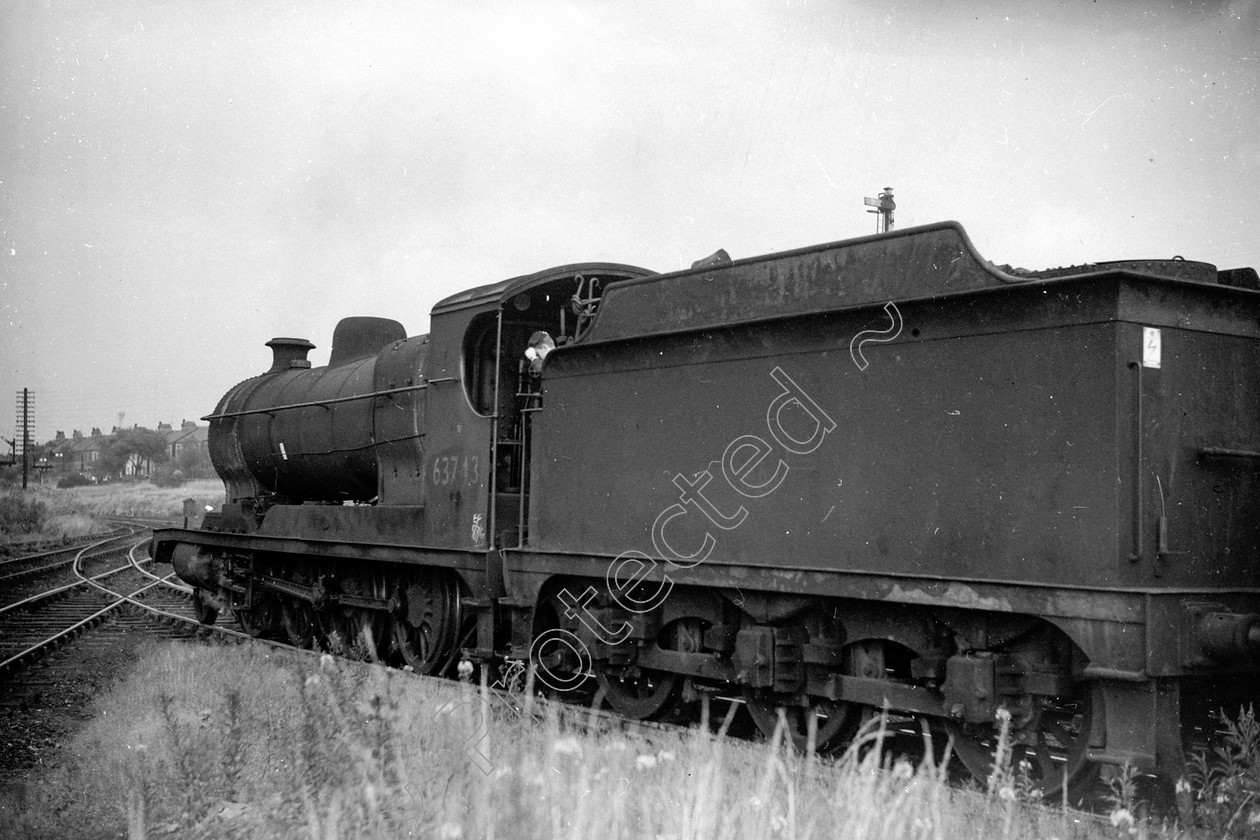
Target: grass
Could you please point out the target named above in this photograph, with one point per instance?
(1222, 787)
(48, 513)
(246, 742)
(250, 742)
(139, 498)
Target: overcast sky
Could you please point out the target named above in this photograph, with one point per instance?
(181, 181)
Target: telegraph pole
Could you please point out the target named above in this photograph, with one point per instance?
(24, 411)
(884, 209)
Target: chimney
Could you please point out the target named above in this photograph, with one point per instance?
(60, 436)
(289, 353)
(96, 432)
(187, 425)
(163, 427)
(76, 434)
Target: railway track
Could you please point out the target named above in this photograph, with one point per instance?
(24, 566)
(33, 625)
(105, 611)
(105, 591)
(30, 547)
(101, 605)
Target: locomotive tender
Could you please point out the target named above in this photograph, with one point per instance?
(880, 472)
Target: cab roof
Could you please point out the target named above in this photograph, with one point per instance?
(505, 289)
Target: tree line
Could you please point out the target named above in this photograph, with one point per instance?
(126, 453)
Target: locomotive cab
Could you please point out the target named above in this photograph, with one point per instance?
(501, 388)
(401, 453)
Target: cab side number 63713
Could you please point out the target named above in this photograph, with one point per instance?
(455, 469)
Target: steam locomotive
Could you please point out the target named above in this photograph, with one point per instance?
(879, 473)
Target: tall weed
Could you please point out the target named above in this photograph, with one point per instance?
(238, 742)
(1222, 786)
(21, 514)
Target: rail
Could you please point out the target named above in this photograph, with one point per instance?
(1221, 452)
(8, 564)
(36, 548)
(94, 616)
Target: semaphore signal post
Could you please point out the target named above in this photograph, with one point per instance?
(884, 207)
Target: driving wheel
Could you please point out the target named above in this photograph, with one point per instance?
(261, 619)
(426, 621)
(298, 619)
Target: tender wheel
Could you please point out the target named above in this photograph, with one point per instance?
(298, 619)
(426, 621)
(1053, 739)
(561, 664)
(639, 693)
(204, 609)
(645, 693)
(836, 722)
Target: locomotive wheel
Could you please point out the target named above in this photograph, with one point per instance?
(645, 693)
(1054, 742)
(559, 665)
(329, 630)
(298, 619)
(354, 633)
(639, 693)
(204, 611)
(836, 721)
(425, 630)
(261, 619)
(368, 632)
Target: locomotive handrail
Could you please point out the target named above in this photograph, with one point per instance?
(293, 453)
(1220, 452)
(1139, 428)
(319, 403)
